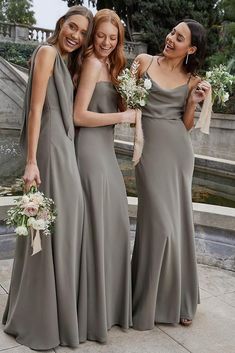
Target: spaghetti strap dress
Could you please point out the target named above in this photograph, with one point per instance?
(106, 269)
(164, 270)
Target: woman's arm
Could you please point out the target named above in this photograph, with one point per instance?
(90, 74)
(43, 68)
(198, 92)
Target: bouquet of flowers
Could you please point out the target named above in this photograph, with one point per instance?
(33, 213)
(134, 92)
(221, 82)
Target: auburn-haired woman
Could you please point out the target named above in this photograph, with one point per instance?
(42, 304)
(107, 263)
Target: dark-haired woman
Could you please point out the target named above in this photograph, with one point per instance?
(42, 305)
(164, 271)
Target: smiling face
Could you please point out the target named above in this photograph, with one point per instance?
(178, 42)
(105, 39)
(72, 33)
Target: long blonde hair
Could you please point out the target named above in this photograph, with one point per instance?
(75, 58)
(116, 58)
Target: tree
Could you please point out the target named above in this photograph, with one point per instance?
(80, 2)
(125, 9)
(2, 10)
(156, 18)
(226, 44)
(18, 11)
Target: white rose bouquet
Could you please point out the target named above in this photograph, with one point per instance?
(134, 91)
(33, 213)
(221, 82)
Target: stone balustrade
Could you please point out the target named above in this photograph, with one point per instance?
(17, 33)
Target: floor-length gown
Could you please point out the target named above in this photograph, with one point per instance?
(164, 273)
(107, 263)
(42, 304)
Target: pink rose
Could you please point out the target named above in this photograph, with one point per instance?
(30, 209)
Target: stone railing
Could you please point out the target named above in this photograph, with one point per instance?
(11, 32)
(16, 33)
(134, 48)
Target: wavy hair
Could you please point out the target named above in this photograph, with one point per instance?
(76, 57)
(116, 58)
(198, 39)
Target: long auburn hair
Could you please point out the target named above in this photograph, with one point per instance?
(117, 58)
(76, 57)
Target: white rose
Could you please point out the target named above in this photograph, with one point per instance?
(147, 83)
(21, 230)
(39, 224)
(24, 200)
(142, 103)
(225, 97)
(37, 198)
(30, 221)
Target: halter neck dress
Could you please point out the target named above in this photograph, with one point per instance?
(106, 267)
(42, 304)
(164, 272)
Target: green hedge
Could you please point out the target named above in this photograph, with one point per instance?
(17, 53)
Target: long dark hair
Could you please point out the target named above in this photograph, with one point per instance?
(75, 58)
(198, 39)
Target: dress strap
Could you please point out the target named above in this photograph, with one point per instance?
(146, 71)
(189, 78)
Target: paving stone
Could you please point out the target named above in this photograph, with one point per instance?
(153, 341)
(228, 298)
(215, 280)
(212, 330)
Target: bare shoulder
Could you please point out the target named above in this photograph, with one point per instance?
(92, 63)
(46, 52)
(144, 61)
(45, 57)
(91, 69)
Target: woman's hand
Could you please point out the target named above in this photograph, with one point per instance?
(199, 93)
(31, 176)
(129, 116)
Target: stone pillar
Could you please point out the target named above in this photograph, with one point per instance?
(21, 33)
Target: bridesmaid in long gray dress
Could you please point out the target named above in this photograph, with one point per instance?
(106, 266)
(42, 305)
(164, 273)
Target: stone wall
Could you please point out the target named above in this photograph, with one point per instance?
(220, 143)
(12, 89)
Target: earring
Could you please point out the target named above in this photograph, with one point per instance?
(186, 61)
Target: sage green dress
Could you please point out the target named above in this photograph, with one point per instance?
(106, 266)
(42, 304)
(164, 271)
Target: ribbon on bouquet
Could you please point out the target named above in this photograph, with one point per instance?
(35, 240)
(204, 120)
(138, 139)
